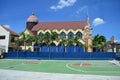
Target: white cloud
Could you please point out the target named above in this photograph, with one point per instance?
(117, 41)
(98, 21)
(63, 3)
(82, 9)
(7, 26)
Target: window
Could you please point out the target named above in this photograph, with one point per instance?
(40, 34)
(70, 35)
(62, 35)
(2, 37)
(79, 34)
(12, 39)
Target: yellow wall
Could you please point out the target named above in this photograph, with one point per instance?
(86, 34)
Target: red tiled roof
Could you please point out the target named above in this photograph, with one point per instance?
(59, 25)
(12, 32)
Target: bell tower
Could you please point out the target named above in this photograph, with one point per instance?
(88, 36)
(31, 21)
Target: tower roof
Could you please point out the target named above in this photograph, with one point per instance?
(32, 18)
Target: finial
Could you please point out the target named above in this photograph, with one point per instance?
(33, 13)
(88, 20)
(87, 17)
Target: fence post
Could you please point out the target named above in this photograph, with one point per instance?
(49, 54)
(90, 55)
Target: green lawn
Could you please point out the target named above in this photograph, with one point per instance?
(68, 67)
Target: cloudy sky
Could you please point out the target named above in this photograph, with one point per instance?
(104, 14)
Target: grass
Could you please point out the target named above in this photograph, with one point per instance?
(66, 67)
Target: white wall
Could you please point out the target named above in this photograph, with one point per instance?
(4, 42)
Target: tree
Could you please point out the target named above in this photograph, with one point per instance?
(17, 43)
(102, 42)
(29, 39)
(23, 39)
(70, 42)
(47, 38)
(54, 36)
(77, 42)
(63, 42)
(40, 39)
(26, 39)
(99, 42)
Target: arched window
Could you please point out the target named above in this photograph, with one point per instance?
(53, 44)
(70, 35)
(62, 35)
(79, 34)
(40, 34)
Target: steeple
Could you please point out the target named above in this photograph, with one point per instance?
(88, 22)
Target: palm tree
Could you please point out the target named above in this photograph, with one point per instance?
(102, 42)
(47, 38)
(23, 39)
(99, 42)
(40, 39)
(70, 42)
(77, 42)
(95, 42)
(26, 39)
(54, 36)
(36, 41)
(17, 42)
(63, 42)
(29, 39)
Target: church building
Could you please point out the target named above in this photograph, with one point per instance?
(66, 30)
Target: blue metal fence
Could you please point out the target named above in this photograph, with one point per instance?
(53, 49)
(61, 55)
(59, 49)
(79, 49)
(44, 49)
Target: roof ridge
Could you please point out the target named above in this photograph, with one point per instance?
(14, 33)
(63, 22)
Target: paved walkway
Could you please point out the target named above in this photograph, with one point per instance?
(23, 75)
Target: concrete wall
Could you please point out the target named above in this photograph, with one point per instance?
(4, 43)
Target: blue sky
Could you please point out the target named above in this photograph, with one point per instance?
(104, 14)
